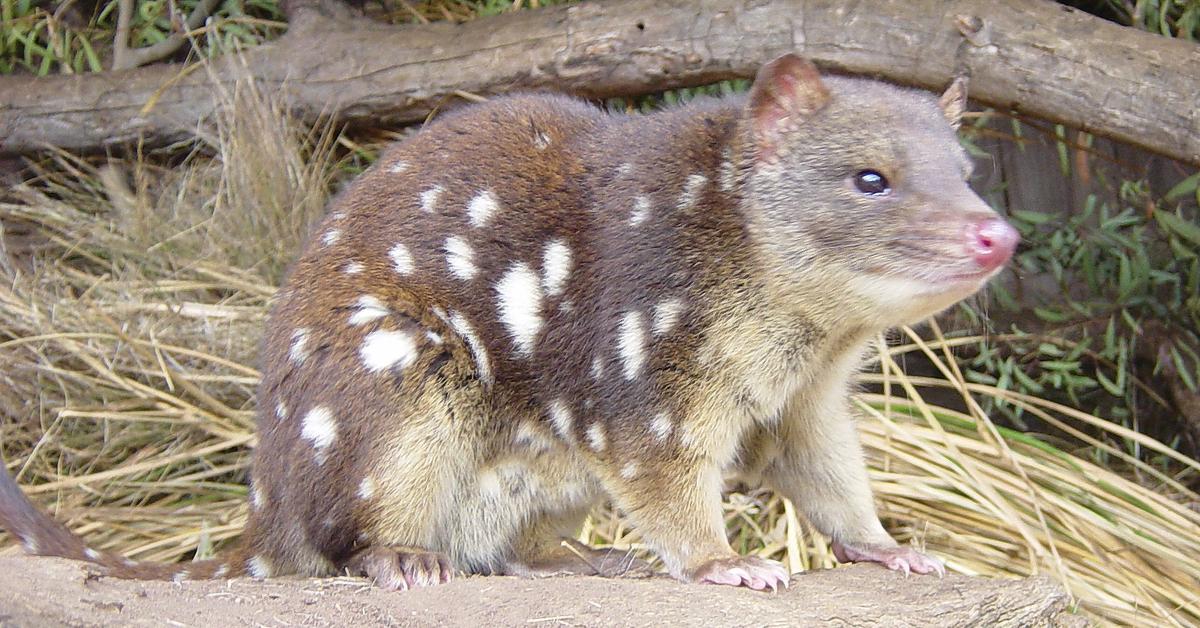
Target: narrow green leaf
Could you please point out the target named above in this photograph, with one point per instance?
(1181, 367)
(1184, 188)
(1032, 217)
(93, 60)
(1112, 387)
(1050, 349)
(1050, 316)
(1185, 228)
(1064, 158)
(1060, 365)
(1030, 386)
(1124, 278)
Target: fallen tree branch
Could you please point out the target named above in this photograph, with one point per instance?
(41, 591)
(1034, 56)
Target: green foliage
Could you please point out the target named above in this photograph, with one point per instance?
(651, 102)
(1170, 18)
(39, 41)
(486, 8)
(1124, 307)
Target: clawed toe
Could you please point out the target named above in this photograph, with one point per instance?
(897, 558)
(400, 569)
(752, 572)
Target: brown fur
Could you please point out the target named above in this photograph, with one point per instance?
(749, 222)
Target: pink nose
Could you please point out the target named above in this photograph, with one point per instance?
(992, 242)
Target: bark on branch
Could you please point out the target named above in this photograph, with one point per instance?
(1035, 56)
(45, 591)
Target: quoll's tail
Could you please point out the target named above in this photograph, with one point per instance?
(43, 536)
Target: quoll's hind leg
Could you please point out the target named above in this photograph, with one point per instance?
(399, 568)
(544, 550)
(372, 414)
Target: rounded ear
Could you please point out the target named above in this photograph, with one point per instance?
(954, 102)
(785, 90)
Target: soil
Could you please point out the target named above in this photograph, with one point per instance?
(37, 591)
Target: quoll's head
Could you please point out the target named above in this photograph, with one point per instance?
(864, 185)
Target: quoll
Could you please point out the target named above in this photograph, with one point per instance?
(533, 304)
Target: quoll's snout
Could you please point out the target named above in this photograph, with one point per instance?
(992, 242)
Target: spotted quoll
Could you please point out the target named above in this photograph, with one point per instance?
(533, 305)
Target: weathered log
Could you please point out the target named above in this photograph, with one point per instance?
(1034, 56)
(41, 591)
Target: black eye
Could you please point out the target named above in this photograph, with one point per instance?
(871, 182)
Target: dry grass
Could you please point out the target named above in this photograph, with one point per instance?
(130, 311)
(129, 317)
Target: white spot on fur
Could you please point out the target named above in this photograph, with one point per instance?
(368, 308)
(629, 470)
(560, 417)
(366, 488)
(556, 266)
(624, 169)
(459, 258)
(221, 571)
(434, 337)
(338, 215)
(331, 236)
(597, 368)
(91, 554)
(529, 435)
(463, 328)
(596, 439)
(662, 426)
(519, 301)
(258, 568)
(481, 208)
(384, 349)
(541, 141)
(489, 482)
(179, 576)
(398, 167)
(631, 343)
(299, 351)
(641, 210)
(281, 410)
(666, 314)
(319, 428)
(567, 306)
(728, 173)
(429, 198)
(30, 544)
(353, 268)
(257, 497)
(402, 260)
(691, 190)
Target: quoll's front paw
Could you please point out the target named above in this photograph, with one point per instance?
(401, 568)
(749, 571)
(896, 558)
